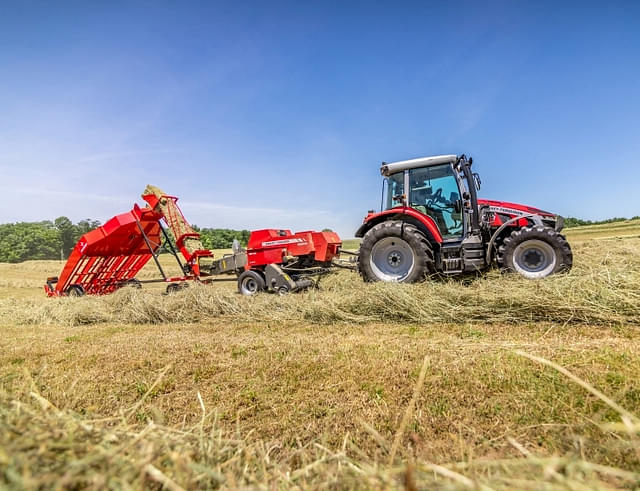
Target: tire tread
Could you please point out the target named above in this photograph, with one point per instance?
(555, 239)
(424, 257)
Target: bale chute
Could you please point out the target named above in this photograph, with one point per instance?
(187, 239)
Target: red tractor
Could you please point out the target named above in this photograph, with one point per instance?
(432, 221)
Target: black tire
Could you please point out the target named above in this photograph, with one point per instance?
(250, 282)
(395, 251)
(175, 287)
(283, 290)
(133, 283)
(75, 291)
(535, 252)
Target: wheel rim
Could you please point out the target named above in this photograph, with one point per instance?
(249, 286)
(392, 259)
(534, 259)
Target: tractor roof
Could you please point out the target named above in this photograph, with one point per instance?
(386, 169)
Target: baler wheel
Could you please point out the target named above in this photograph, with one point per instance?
(535, 252)
(250, 282)
(283, 290)
(395, 251)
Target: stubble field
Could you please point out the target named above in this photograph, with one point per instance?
(490, 382)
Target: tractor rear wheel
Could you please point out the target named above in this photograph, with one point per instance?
(395, 251)
(535, 252)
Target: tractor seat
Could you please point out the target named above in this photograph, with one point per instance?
(435, 215)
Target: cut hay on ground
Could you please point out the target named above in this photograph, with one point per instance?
(602, 289)
(442, 385)
(42, 446)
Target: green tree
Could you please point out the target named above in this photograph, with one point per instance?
(84, 226)
(222, 238)
(67, 233)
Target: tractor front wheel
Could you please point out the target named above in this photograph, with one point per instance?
(395, 251)
(535, 252)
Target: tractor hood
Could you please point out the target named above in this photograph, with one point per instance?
(503, 211)
(512, 208)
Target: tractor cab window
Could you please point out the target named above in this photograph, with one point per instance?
(395, 188)
(434, 191)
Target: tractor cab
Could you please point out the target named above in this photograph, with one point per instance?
(441, 189)
(434, 191)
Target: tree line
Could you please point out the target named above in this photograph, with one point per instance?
(56, 239)
(578, 222)
(41, 240)
(221, 238)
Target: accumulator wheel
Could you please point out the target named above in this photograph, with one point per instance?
(75, 291)
(250, 283)
(176, 287)
(395, 251)
(133, 283)
(535, 252)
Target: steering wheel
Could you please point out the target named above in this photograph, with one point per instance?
(435, 197)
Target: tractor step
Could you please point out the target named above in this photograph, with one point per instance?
(451, 259)
(473, 254)
(452, 265)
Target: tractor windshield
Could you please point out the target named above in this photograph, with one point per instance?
(434, 191)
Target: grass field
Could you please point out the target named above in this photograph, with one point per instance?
(492, 382)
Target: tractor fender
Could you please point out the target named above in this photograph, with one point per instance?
(423, 222)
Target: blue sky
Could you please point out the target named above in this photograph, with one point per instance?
(279, 113)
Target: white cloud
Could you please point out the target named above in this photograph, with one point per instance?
(38, 203)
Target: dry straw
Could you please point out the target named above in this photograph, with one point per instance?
(602, 289)
(42, 446)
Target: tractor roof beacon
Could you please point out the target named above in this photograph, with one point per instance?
(432, 221)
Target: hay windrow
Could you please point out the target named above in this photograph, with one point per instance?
(602, 289)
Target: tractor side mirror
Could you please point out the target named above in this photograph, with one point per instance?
(477, 181)
(457, 205)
